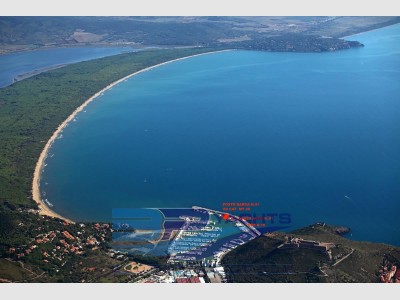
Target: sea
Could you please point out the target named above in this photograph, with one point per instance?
(297, 137)
(19, 63)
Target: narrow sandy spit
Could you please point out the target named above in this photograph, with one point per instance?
(44, 209)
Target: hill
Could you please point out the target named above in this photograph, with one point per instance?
(311, 254)
(306, 34)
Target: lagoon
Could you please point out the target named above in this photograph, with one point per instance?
(16, 64)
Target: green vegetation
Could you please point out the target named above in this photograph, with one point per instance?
(297, 43)
(30, 111)
(13, 271)
(40, 31)
(306, 34)
(261, 260)
(34, 248)
(159, 261)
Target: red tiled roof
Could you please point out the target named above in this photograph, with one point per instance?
(397, 273)
(68, 235)
(188, 280)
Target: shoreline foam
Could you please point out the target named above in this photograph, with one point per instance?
(44, 209)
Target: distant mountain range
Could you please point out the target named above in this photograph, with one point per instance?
(260, 33)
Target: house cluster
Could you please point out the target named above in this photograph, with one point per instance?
(62, 242)
(389, 273)
(187, 275)
(40, 239)
(193, 272)
(190, 280)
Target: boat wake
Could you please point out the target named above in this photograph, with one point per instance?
(48, 203)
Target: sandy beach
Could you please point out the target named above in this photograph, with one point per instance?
(44, 209)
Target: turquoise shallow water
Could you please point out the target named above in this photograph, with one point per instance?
(316, 136)
(14, 64)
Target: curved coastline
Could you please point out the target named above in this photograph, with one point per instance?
(44, 209)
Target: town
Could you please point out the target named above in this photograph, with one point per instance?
(58, 251)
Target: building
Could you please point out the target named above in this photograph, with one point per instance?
(67, 235)
(306, 244)
(189, 280)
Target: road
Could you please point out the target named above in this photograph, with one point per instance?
(343, 258)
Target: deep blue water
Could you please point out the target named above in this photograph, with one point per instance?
(14, 64)
(313, 135)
